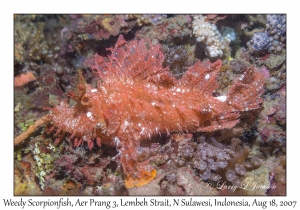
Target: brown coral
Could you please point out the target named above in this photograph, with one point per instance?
(101, 26)
(32, 128)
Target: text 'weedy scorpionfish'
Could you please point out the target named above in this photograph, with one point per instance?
(136, 98)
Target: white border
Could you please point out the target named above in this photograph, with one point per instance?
(153, 6)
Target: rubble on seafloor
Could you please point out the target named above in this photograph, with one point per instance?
(52, 48)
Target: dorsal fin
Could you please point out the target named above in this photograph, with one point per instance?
(139, 60)
(202, 75)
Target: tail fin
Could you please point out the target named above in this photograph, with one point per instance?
(245, 93)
